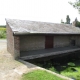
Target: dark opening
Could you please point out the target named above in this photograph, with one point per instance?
(48, 42)
(72, 42)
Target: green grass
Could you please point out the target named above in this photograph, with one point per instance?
(69, 72)
(71, 69)
(40, 75)
(2, 33)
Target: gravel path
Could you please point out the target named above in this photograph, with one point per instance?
(11, 69)
(2, 44)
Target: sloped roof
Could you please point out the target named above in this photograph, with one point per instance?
(34, 27)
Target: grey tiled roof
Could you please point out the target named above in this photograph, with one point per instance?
(25, 26)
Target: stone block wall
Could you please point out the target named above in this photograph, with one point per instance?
(12, 43)
(16, 46)
(61, 41)
(78, 41)
(10, 40)
(32, 43)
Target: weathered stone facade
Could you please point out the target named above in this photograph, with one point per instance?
(16, 46)
(12, 43)
(23, 35)
(38, 42)
(10, 40)
(61, 41)
(78, 40)
(32, 43)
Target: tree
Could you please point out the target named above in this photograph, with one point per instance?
(76, 4)
(76, 20)
(67, 20)
(77, 23)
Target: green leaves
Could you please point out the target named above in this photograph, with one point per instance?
(76, 4)
(2, 32)
(67, 19)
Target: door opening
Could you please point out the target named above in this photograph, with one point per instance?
(48, 42)
(73, 42)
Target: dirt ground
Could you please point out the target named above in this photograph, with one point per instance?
(11, 69)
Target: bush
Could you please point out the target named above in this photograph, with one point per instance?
(2, 33)
(77, 24)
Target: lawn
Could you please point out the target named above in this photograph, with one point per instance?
(70, 69)
(40, 75)
(67, 66)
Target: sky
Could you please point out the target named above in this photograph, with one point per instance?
(37, 10)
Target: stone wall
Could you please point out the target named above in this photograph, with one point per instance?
(32, 43)
(78, 40)
(10, 40)
(38, 42)
(61, 41)
(16, 47)
(12, 43)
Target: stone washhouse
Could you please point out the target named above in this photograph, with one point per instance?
(33, 39)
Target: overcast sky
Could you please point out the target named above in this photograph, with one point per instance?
(37, 10)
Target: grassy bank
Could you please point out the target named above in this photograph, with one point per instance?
(40, 75)
(2, 33)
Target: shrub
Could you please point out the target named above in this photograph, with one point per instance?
(2, 33)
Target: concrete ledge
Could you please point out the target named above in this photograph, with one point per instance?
(26, 55)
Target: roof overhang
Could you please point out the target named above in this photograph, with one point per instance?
(26, 33)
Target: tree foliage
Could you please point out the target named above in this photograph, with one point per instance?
(77, 23)
(67, 20)
(76, 4)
